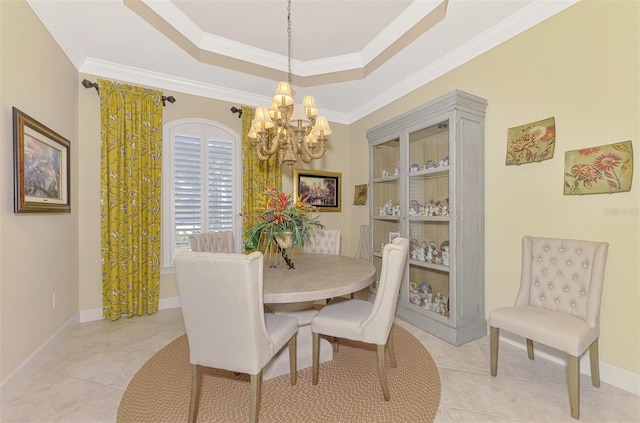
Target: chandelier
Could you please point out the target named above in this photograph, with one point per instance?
(287, 128)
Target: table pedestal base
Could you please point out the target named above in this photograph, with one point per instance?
(280, 363)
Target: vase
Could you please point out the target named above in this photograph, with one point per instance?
(285, 242)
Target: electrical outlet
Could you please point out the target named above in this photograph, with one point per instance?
(54, 302)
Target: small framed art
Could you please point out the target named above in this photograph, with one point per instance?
(41, 167)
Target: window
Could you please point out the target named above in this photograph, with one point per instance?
(202, 190)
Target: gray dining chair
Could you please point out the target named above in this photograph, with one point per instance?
(213, 242)
(227, 328)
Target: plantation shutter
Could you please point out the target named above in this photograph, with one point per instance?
(194, 211)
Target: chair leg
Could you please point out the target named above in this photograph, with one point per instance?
(293, 359)
(196, 372)
(256, 381)
(316, 357)
(336, 344)
(530, 349)
(392, 352)
(494, 344)
(595, 366)
(573, 380)
(382, 373)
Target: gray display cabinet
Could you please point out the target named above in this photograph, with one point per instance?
(427, 184)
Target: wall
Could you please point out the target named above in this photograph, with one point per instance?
(582, 67)
(39, 251)
(186, 106)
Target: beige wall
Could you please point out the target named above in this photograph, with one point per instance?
(582, 67)
(39, 251)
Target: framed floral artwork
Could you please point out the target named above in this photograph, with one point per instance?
(599, 170)
(531, 143)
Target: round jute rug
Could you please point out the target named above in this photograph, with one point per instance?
(348, 389)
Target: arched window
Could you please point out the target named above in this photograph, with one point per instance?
(202, 183)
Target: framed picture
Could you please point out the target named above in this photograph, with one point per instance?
(360, 195)
(531, 143)
(322, 189)
(393, 235)
(41, 167)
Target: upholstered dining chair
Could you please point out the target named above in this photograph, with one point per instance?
(324, 241)
(558, 305)
(223, 311)
(213, 242)
(363, 321)
(364, 245)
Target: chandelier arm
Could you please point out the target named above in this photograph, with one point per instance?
(275, 142)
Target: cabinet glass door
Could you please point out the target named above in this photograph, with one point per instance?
(428, 214)
(385, 198)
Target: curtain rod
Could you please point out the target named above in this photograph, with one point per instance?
(234, 109)
(88, 84)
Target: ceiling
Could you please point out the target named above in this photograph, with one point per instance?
(353, 56)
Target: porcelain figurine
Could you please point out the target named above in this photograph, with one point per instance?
(414, 167)
(444, 161)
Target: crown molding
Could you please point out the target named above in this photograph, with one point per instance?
(517, 23)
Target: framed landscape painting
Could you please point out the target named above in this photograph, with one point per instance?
(41, 167)
(321, 189)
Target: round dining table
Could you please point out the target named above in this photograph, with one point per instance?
(293, 291)
(315, 277)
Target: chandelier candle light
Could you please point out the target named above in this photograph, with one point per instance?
(287, 128)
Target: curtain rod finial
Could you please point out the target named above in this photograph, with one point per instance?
(234, 109)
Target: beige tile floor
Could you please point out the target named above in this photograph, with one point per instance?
(84, 379)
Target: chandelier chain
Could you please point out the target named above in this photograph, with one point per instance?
(289, 41)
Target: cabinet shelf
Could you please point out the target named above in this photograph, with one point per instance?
(429, 172)
(445, 300)
(419, 218)
(392, 178)
(429, 265)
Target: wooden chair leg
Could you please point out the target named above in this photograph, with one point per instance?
(336, 344)
(316, 357)
(382, 373)
(573, 380)
(256, 381)
(196, 373)
(595, 366)
(530, 349)
(392, 352)
(494, 343)
(293, 359)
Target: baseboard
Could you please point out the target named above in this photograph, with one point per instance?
(20, 375)
(610, 374)
(93, 314)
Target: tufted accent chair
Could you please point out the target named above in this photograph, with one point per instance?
(324, 241)
(558, 304)
(213, 242)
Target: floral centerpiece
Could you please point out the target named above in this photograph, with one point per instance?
(281, 224)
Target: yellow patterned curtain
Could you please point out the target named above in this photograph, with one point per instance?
(256, 174)
(130, 182)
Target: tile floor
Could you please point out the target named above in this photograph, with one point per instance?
(84, 379)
